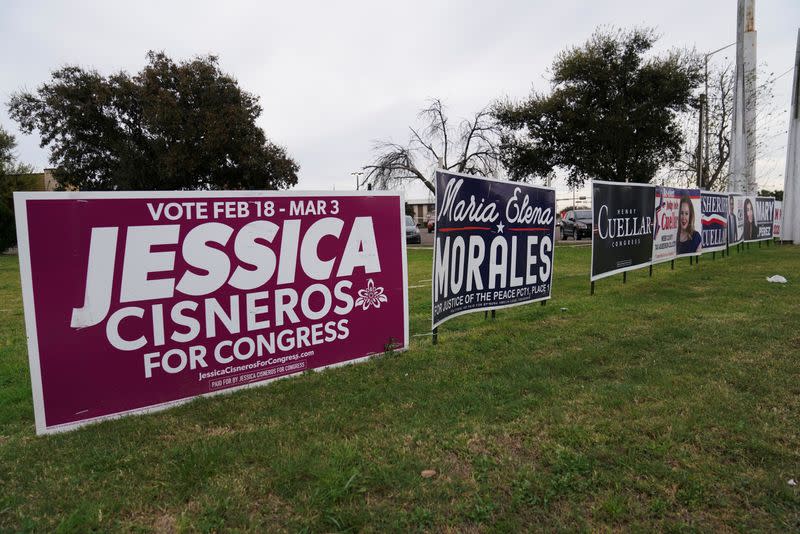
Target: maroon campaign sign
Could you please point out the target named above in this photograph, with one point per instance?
(136, 301)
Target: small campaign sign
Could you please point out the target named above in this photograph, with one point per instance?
(759, 218)
(677, 224)
(777, 222)
(714, 207)
(735, 218)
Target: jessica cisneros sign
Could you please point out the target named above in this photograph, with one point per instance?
(493, 246)
(136, 301)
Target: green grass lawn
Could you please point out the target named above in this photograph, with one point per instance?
(670, 403)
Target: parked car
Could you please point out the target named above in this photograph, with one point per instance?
(576, 224)
(412, 232)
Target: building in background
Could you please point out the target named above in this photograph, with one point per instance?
(419, 209)
(35, 181)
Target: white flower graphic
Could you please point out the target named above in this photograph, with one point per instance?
(371, 296)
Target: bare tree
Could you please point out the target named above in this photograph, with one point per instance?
(720, 112)
(472, 148)
(716, 170)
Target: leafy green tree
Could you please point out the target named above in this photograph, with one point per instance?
(610, 114)
(12, 178)
(778, 193)
(172, 126)
(8, 236)
(7, 144)
(10, 183)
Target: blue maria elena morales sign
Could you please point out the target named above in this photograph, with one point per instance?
(493, 246)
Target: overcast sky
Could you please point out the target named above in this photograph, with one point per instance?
(335, 76)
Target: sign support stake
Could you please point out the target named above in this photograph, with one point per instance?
(591, 289)
(436, 336)
(651, 270)
(672, 265)
(624, 277)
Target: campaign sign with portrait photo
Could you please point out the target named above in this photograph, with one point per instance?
(622, 227)
(677, 224)
(759, 214)
(493, 246)
(777, 220)
(136, 301)
(735, 219)
(714, 207)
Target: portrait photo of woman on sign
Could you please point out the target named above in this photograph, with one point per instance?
(689, 240)
(750, 226)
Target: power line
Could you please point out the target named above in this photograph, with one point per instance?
(771, 152)
(784, 74)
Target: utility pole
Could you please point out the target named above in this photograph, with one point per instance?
(357, 174)
(707, 154)
(750, 64)
(700, 143)
(743, 129)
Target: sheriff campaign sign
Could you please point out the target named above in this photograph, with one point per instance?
(136, 301)
(714, 207)
(493, 246)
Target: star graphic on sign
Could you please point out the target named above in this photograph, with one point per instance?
(500, 227)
